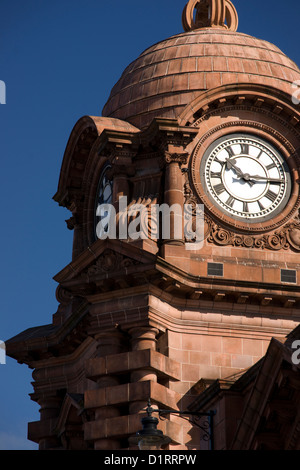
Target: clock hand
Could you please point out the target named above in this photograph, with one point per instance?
(231, 163)
(266, 178)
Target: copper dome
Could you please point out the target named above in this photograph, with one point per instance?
(170, 74)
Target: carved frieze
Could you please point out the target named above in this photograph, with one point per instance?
(287, 237)
(284, 238)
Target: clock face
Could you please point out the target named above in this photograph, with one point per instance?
(104, 196)
(246, 177)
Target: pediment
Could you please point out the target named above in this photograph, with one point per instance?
(81, 141)
(106, 259)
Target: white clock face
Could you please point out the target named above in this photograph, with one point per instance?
(246, 177)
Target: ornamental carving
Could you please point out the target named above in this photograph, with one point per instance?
(209, 13)
(63, 296)
(109, 261)
(288, 237)
(180, 158)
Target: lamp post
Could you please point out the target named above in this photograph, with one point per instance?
(151, 438)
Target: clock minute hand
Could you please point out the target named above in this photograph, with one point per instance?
(266, 178)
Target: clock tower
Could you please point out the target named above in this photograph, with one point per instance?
(202, 119)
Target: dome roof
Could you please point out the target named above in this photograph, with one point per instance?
(169, 75)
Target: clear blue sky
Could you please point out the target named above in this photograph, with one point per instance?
(59, 60)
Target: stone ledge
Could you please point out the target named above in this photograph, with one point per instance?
(126, 426)
(134, 360)
(38, 430)
(127, 393)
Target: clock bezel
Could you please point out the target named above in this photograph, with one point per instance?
(210, 205)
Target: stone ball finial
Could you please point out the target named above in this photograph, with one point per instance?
(209, 14)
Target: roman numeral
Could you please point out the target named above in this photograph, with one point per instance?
(245, 207)
(261, 206)
(219, 188)
(215, 174)
(230, 151)
(270, 195)
(260, 154)
(230, 201)
(272, 165)
(245, 149)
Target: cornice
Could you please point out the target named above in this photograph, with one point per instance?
(261, 98)
(28, 349)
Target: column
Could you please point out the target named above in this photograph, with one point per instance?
(174, 196)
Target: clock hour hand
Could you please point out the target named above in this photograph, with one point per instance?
(231, 163)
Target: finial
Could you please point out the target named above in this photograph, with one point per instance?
(209, 14)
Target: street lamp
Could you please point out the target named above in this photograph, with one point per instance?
(151, 438)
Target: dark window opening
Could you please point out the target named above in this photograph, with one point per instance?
(215, 269)
(288, 275)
